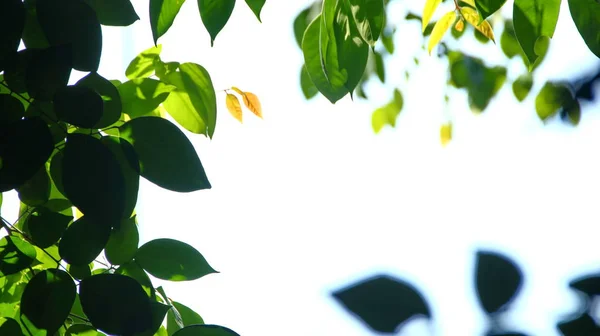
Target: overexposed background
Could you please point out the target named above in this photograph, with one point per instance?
(309, 199)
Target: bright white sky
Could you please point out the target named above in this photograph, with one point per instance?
(309, 199)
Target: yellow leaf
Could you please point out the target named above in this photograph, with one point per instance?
(252, 103)
(440, 28)
(460, 25)
(234, 106)
(473, 18)
(430, 6)
(77, 214)
(446, 133)
(237, 90)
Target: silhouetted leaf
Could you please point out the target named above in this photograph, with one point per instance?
(46, 227)
(72, 22)
(153, 139)
(123, 243)
(49, 288)
(83, 240)
(589, 284)
(159, 311)
(9, 326)
(115, 304)
(12, 109)
(382, 302)
(114, 12)
(130, 168)
(498, 280)
(93, 180)
(111, 99)
(15, 255)
(15, 69)
(79, 272)
(133, 270)
(48, 71)
(205, 330)
(162, 15)
(36, 191)
(78, 105)
(12, 23)
(579, 326)
(188, 317)
(214, 15)
(33, 36)
(172, 260)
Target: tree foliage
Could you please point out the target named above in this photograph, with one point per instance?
(75, 153)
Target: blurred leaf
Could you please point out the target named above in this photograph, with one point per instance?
(382, 302)
(498, 281)
(488, 7)
(46, 227)
(581, 325)
(162, 15)
(153, 139)
(572, 112)
(205, 330)
(508, 40)
(308, 88)
(534, 20)
(234, 107)
(111, 101)
(430, 7)
(188, 317)
(446, 133)
(522, 86)
(440, 28)
(379, 66)
(586, 15)
(256, 6)
(83, 241)
(115, 304)
(114, 12)
(49, 288)
(551, 98)
(141, 96)
(589, 284)
(123, 243)
(15, 255)
(214, 15)
(386, 115)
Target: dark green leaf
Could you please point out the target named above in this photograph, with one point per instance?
(49, 288)
(114, 12)
(82, 330)
(83, 241)
(498, 281)
(534, 23)
(488, 7)
(383, 303)
(256, 7)
(130, 168)
(508, 40)
(369, 18)
(193, 104)
(110, 96)
(46, 227)
(586, 15)
(572, 112)
(162, 15)
(353, 52)
(9, 326)
(33, 35)
(387, 114)
(583, 324)
(153, 139)
(308, 88)
(159, 311)
(172, 260)
(12, 23)
(12, 109)
(48, 71)
(15, 255)
(72, 22)
(214, 15)
(93, 180)
(522, 86)
(78, 105)
(56, 171)
(15, 69)
(551, 98)
(142, 65)
(115, 304)
(205, 330)
(379, 66)
(36, 191)
(188, 317)
(25, 146)
(123, 243)
(79, 272)
(387, 38)
(312, 60)
(301, 22)
(133, 270)
(142, 96)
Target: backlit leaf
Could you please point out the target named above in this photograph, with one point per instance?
(440, 28)
(256, 6)
(472, 17)
(162, 15)
(251, 101)
(36, 191)
(446, 133)
(586, 15)
(172, 260)
(488, 7)
(187, 315)
(82, 330)
(387, 114)
(142, 96)
(521, 86)
(233, 106)
(142, 65)
(551, 98)
(534, 20)
(430, 7)
(369, 18)
(214, 15)
(83, 241)
(15, 255)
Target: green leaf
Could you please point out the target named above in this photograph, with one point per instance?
(12, 24)
(162, 15)
(36, 191)
(142, 65)
(82, 330)
(15, 69)
(387, 114)
(312, 61)
(115, 304)
(83, 241)
(301, 23)
(214, 15)
(72, 22)
(163, 69)
(46, 227)
(47, 72)
(130, 168)
(123, 243)
(551, 98)
(508, 41)
(9, 326)
(522, 86)
(488, 7)
(586, 15)
(79, 272)
(256, 7)
(172, 260)
(33, 35)
(308, 88)
(353, 53)
(159, 311)
(379, 66)
(193, 104)
(533, 21)
(153, 139)
(387, 38)
(56, 171)
(141, 96)
(49, 288)
(15, 255)
(78, 105)
(188, 317)
(133, 270)
(114, 12)
(369, 18)
(205, 330)
(572, 112)
(328, 46)
(112, 106)
(88, 165)
(12, 109)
